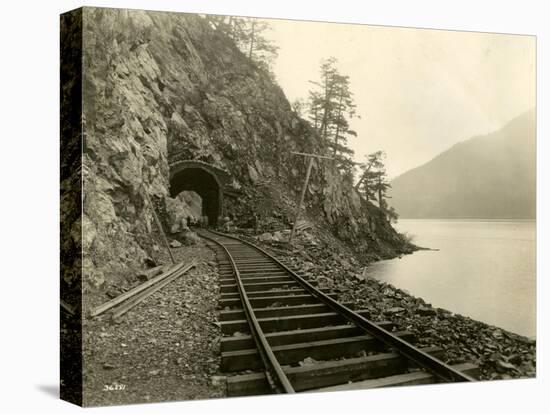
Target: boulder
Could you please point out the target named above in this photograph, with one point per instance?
(112, 292)
(253, 174)
(265, 237)
(96, 278)
(394, 310)
(176, 215)
(92, 275)
(149, 262)
(228, 225)
(307, 361)
(191, 238)
(88, 233)
(389, 292)
(503, 366)
(426, 311)
(148, 274)
(443, 313)
(175, 244)
(278, 236)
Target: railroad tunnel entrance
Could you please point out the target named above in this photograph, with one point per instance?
(193, 176)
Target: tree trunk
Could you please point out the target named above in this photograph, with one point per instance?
(380, 205)
(336, 136)
(316, 115)
(326, 109)
(367, 169)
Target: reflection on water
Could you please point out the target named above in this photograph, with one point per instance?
(483, 269)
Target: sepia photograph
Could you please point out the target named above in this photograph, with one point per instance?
(255, 206)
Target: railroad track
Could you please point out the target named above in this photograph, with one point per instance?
(283, 335)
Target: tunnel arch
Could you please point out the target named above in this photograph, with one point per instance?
(205, 180)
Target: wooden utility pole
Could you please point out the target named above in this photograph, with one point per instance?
(159, 224)
(304, 188)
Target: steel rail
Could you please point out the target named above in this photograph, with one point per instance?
(98, 310)
(438, 368)
(137, 299)
(274, 372)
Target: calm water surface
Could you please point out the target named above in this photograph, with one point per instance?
(483, 269)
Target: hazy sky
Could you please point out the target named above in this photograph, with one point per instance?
(417, 91)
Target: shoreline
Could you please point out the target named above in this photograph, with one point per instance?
(407, 292)
(459, 245)
(500, 354)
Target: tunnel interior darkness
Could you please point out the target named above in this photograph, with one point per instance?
(205, 185)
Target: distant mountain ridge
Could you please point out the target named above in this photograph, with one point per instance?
(491, 176)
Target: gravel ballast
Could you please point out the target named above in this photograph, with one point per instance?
(164, 349)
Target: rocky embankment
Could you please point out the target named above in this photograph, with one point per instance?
(499, 354)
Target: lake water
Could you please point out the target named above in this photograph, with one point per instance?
(483, 269)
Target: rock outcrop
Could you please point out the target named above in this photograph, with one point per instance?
(163, 87)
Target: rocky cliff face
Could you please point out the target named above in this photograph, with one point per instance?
(161, 87)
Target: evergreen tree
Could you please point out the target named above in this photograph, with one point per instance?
(331, 106)
(373, 183)
(369, 174)
(249, 34)
(381, 186)
(314, 106)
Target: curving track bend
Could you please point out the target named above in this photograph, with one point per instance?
(283, 335)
